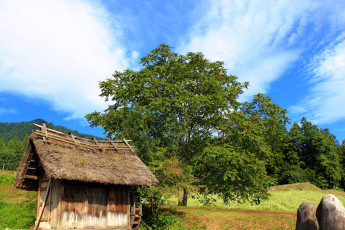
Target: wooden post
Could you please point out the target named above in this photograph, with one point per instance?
(43, 206)
(44, 130)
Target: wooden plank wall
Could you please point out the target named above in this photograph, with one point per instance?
(93, 206)
(50, 213)
(44, 221)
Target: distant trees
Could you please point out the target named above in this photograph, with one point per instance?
(11, 153)
(313, 155)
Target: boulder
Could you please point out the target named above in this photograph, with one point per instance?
(306, 217)
(331, 213)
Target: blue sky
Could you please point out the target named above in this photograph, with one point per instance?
(53, 54)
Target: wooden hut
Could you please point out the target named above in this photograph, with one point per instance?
(82, 183)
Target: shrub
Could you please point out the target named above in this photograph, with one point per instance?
(158, 220)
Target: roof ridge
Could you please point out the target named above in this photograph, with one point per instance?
(93, 144)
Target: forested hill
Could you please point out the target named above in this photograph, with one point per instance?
(20, 129)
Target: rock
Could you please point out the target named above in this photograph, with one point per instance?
(331, 213)
(306, 217)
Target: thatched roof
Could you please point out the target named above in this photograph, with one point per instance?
(67, 157)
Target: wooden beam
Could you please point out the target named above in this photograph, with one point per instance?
(31, 177)
(113, 144)
(43, 206)
(96, 142)
(51, 130)
(44, 130)
(130, 147)
(75, 142)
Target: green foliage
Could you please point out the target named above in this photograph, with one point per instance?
(319, 156)
(295, 174)
(183, 113)
(11, 153)
(158, 220)
(6, 179)
(272, 120)
(237, 175)
(176, 102)
(171, 174)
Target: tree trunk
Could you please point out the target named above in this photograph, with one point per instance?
(182, 197)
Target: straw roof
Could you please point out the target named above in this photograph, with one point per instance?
(67, 157)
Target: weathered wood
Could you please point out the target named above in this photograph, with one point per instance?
(38, 201)
(45, 131)
(55, 200)
(43, 206)
(60, 206)
(78, 205)
(75, 142)
(96, 143)
(82, 142)
(113, 144)
(65, 139)
(51, 130)
(130, 147)
(31, 177)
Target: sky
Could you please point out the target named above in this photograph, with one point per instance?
(53, 54)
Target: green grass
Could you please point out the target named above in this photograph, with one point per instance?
(283, 198)
(279, 212)
(17, 207)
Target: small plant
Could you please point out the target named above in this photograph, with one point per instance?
(6, 179)
(159, 219)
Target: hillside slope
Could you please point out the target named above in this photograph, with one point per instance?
(20, 129)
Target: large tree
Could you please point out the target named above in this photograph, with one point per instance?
(179, 103)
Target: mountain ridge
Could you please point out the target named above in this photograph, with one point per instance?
(8, 130)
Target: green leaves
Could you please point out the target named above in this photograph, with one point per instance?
(236, 174)
(179, 103)
(319, 152)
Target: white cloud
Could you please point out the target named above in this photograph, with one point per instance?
(257, 40)
(324, 103)
(6, 110)
(59, 51)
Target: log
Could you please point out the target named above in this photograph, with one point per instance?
(31, 177)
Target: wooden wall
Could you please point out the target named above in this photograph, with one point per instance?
(81, 205)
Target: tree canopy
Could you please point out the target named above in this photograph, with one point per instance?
(181, 103)
(183, 113)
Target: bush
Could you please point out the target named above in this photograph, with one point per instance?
(158, 220)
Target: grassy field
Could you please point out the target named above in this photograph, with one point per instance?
(279, 212)
(18, 208)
